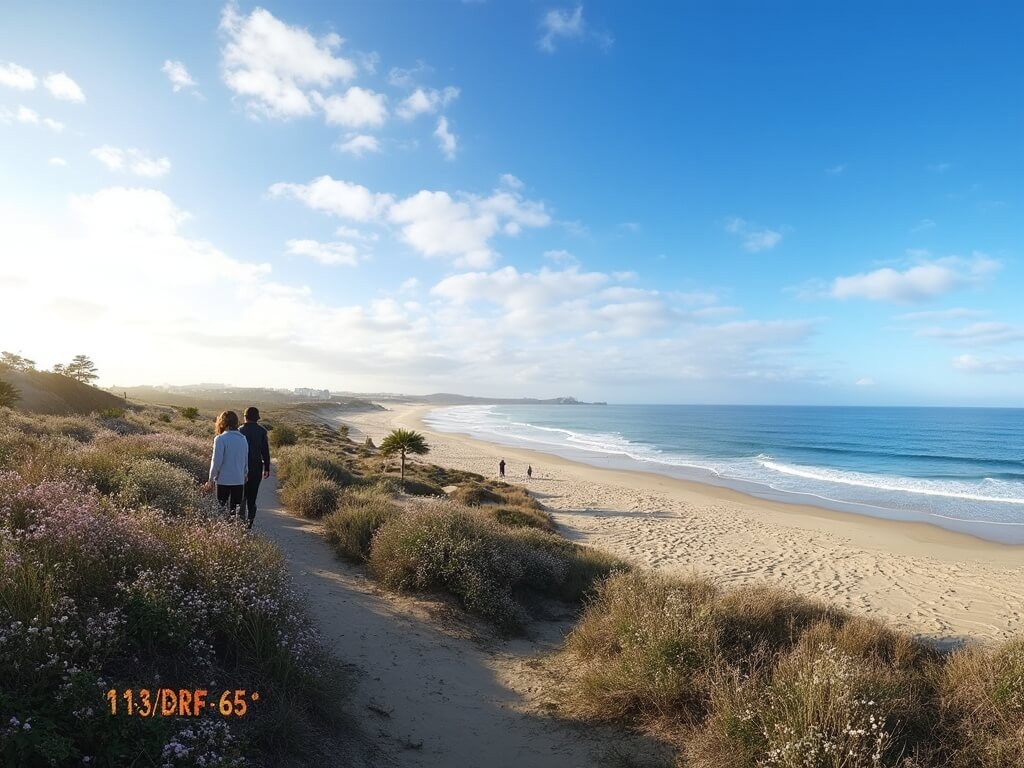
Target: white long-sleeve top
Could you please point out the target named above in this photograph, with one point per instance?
(230, 462)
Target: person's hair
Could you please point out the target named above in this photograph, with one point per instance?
(227, 420)
(252, 413)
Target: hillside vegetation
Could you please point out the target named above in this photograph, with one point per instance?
(52, 393)
(116, 574)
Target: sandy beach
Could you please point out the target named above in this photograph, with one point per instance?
(918, 577)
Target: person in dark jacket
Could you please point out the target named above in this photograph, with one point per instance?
(259, 458)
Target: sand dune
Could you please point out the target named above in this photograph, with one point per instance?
(932, 582)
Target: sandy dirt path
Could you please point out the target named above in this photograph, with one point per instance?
(424, 694)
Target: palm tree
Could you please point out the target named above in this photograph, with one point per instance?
(403, 441)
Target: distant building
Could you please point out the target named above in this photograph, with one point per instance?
(315, 394)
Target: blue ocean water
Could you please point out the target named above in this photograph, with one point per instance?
(958, 468)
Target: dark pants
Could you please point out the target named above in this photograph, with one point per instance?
(252, 489)
(232, 494)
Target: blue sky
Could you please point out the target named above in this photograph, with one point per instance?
(680, 202)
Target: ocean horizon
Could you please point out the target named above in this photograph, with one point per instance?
(952, 467)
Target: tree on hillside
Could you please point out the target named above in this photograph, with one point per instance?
(402, 442)
(82, 369)
(9, 394)
(17, 362)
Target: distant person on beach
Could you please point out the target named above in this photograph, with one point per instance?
(259, 458)
(529, 472)
(501, 468)
(229, 463)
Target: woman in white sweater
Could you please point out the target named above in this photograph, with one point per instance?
(229, 465)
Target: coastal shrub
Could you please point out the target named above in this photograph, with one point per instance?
(833, 701)
(361, 511)
(96, 595)
(157, 483)
(983, 705)
(518, 517)
(584, 567)
(189, 412)
(111, 413)
(422, 488)
(294, 463)
(283, 435)
(474, 494)
(123, 425)
(443, 547)
(313, 495)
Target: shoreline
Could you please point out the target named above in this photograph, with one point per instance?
(932, 581)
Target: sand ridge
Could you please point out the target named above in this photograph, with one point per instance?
(921, 578)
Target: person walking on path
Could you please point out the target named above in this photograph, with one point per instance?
(501, 468)
(259, 458)
(229, 463)
(529, 472)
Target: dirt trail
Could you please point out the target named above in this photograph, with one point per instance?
(424, 695)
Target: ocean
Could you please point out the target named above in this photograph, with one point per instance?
(957, 468)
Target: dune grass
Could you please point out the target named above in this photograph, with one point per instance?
(116, 573)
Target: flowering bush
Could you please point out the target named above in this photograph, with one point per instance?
(113, 575)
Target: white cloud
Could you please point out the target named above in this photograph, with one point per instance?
(14, 76)
(998, 365)
(753, 238)
(561, 256)
(28, 116)
(435, 224)
(921, 282)
(923, 225)
(356, 108)
(865, 382)
(331, 254)
(339, 198)
(64, 88)
(178, 74)
(558, 23)
(408, 77)
(954, 313)
(58, 162)
(351, 233)
(360, 145)
(510, 181)
(445, 138)
(426, 101)
(275, 65)
(975, 334)
(133, 160)
(408, 285)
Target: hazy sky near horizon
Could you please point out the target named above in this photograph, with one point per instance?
(743, 202)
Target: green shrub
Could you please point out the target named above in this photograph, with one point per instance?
(157, 483)
(360, 513)
(111, 413)
(421, 488)
(297, 462)
(518, 517)
(983, 706)
(189, 412)
(283, 435)
(474, 494)
(164, 418)
(314, 495)
(820, 704)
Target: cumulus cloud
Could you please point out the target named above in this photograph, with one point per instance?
(753, 238)
(360, 144)
(275, 66)
(446, 140)
(954, 313)
(27, 116)
(62, 87)
(866, 381)
(331, 254)
(356, 108)
(14, 76)
(58, 162)
(178, 74)
(131, 160)
(921, 282)
(426, 101)
(336, 197)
